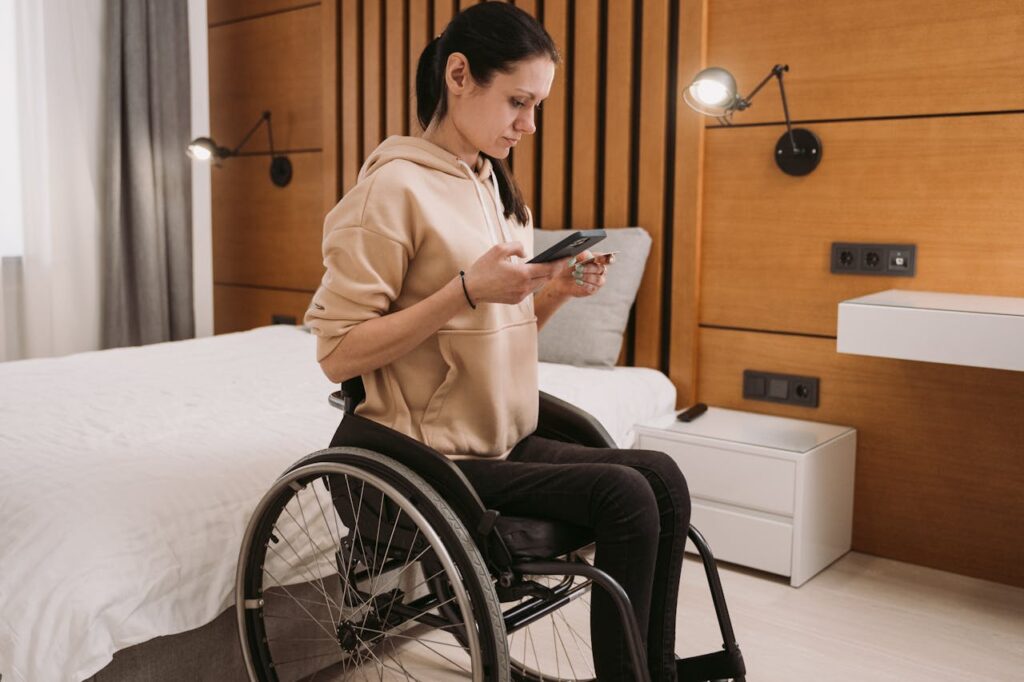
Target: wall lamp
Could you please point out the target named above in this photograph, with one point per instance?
(714, 93)
(205, 149)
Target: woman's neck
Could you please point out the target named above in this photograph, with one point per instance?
(445, 136)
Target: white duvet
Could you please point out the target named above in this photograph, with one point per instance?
(127, 478)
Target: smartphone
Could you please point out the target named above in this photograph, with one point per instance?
(575, 243)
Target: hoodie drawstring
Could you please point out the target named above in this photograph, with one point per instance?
(498, 238)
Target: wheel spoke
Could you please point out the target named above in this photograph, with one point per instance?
(405, 602)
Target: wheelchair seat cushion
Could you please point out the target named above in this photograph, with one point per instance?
(531, 539)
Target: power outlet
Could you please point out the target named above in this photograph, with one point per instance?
(790, 389)
(889, 260)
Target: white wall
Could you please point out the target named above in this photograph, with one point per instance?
(202, 220)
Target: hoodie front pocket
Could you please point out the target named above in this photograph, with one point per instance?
(489, 397)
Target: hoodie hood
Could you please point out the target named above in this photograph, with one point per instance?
(429, 155)
(423, 153)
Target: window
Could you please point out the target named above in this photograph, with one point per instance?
(11, 240)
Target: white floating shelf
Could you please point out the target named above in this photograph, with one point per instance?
(955, 329)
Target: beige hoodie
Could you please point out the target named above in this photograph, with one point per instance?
(417, 215)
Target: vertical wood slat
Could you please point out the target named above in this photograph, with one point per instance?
(551, 187)
(651, 177)
(420, 25)
(618, 114)
(524, 155)
(373, 58)
(350, 94)
(444, 10)
(585, 142)
(689, 186)
(330, 93)
(396, 87)
(540, 163)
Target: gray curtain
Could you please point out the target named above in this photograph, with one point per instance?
(147, 281)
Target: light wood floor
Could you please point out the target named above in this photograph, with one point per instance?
(864, 618)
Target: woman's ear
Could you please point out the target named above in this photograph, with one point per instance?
(456, 74)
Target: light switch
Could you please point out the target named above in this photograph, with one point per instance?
(778, 388)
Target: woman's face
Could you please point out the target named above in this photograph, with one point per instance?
(492, 119)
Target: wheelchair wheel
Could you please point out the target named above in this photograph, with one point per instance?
(556, 646)
(353, 567)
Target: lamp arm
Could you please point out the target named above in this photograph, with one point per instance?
(776, 71)
(785, 109)
(264, 117)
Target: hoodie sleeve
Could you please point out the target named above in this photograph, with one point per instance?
(365, 264)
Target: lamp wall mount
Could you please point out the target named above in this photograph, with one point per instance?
(205, 149)
(798, 150)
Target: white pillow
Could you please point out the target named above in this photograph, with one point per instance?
(588, 331)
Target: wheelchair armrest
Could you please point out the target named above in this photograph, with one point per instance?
(559, 420)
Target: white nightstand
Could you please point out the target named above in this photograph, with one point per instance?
(768, 492)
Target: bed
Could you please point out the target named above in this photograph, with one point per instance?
(127, 477)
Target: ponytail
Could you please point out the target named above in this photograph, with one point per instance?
(429, 82)
(493, 36)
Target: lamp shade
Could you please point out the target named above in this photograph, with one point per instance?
(712, 92)
(205, 149)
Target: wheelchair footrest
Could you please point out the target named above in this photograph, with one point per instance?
(719, 665)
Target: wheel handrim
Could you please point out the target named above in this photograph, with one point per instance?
(356, 621)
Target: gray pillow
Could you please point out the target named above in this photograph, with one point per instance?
(589, 330)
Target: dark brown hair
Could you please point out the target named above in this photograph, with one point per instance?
(493, 36)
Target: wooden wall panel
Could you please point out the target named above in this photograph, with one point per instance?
(688, 216)
(951, 185)
(444, 10)
(554, 120)
(583, 167)
(618, 115)
(396, 66)
(523, 158)
(373, 77)
(872, 57)
(271, 62)
(420, 33)
(220, 11)
(939, 469)
(236, 309)
(331, 114)
(650, 189)
(585, 112)
(350, 93)
(269, 237)
(913, 158)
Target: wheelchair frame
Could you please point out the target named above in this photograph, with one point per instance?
(561, 421)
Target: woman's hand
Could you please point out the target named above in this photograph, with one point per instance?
(496, 277)
(576, 280)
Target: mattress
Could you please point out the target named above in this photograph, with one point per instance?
(127, 478)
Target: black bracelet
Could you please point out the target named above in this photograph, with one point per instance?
(462, 274)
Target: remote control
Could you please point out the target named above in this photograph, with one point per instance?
(691, 413)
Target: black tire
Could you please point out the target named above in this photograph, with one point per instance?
(340, 595)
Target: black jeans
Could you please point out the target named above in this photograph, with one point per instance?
(638, 505)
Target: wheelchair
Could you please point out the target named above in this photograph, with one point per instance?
(376, 559)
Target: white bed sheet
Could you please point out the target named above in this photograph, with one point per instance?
(127, 478)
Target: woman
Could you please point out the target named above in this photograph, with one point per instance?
(428, 298)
